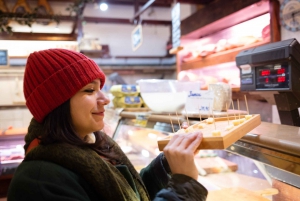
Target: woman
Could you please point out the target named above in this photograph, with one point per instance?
(69, 158)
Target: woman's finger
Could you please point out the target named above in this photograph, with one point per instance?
(175, 141)
(195, 143)
(187, 140)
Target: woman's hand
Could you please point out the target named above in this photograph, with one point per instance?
(180, 152)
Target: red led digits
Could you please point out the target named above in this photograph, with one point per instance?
(265, 72)
(267, 80)
(281, 79)
(280, 71)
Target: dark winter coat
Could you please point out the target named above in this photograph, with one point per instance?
(67, 172)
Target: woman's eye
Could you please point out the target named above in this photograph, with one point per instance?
(89, 90)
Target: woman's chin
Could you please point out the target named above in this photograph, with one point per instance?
(100, 127)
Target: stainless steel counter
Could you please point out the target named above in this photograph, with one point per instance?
(276, 146)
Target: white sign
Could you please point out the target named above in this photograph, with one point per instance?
(176, 33)
(246, 69)
(200, 101)
(136, 37)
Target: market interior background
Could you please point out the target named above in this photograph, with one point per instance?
(106, 37)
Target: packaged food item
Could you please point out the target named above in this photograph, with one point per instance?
(124, 90)
(128, 102)
(222, 96)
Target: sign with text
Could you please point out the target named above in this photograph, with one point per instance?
(136, 37)
(200, 101)
(176, 33)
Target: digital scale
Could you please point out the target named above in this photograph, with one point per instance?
(274, 69)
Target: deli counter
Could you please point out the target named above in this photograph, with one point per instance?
(262, 165)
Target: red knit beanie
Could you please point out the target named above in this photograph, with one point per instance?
(53, 76)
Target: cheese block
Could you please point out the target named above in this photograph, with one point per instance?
(236, 122)
(216, 133)
(210, 120)
(248, 116)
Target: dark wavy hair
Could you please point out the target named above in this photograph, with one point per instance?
(58, 128)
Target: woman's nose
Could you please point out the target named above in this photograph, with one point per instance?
(102, 98)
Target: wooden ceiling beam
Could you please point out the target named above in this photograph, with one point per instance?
(195, 1)
(96, 19)
(159, 3)
(212, 12)
(124, 21)
(38, 36)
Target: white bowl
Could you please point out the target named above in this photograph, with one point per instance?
(166, 96)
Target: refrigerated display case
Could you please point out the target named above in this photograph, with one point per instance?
(263, 165)
(11, 155)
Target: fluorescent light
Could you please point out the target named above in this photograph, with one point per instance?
(103, 6)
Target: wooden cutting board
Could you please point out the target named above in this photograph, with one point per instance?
(216, 164)
(235, 194)
(227, 137)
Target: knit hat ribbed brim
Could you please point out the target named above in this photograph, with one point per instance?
(53, 76)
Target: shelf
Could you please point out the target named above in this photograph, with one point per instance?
(218, 58)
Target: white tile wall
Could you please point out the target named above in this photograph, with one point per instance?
(11, 89)
(15, 117)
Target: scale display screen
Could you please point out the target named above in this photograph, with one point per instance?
(272, 76)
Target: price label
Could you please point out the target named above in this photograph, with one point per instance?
(199, 101)
(141, 119)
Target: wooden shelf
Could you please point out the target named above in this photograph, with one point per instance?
(218, 58)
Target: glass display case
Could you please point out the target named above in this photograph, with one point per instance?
(263, 165)
(11, 155)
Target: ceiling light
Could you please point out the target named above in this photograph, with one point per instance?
(103, 6)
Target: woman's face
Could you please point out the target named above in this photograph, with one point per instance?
(87, 108)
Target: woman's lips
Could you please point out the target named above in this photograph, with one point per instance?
(98, 113)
